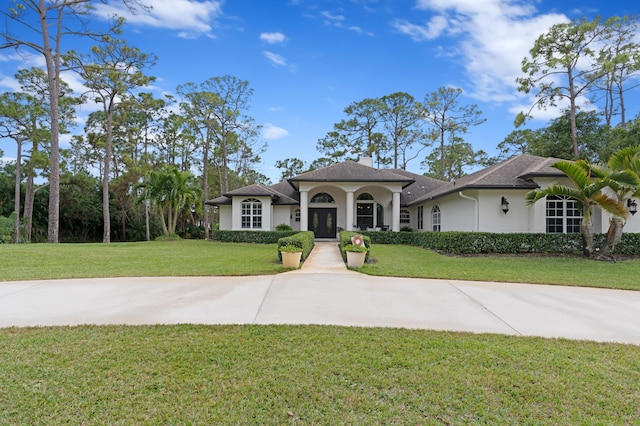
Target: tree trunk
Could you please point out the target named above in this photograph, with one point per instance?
(29, 197)
(613, 237)
(205, 185)
(586, 230)
(106, 217)
(53, 76)
(16, 221)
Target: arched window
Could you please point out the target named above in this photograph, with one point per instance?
(322, 197)
(365, 197)
(251, 216)
(435, 219)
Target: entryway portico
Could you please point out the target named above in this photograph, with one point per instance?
(362, 204)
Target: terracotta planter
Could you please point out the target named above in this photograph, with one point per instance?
(355, 260)
(291, 260)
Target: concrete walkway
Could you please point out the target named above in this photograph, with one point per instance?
(324, 292)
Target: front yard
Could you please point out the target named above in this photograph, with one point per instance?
(202, 258)
(276, 375)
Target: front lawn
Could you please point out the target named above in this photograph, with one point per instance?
(409, 261)
(309, 375)
(141, 259)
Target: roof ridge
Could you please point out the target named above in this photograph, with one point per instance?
(491, 169)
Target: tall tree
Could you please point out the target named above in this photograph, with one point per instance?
(619, 61)
(112, 71)
(562, 66)
(216, 110)
(56, 20)
(448, 119)
(401, 116)
(460, 157)
(290, 167)
(358, 135)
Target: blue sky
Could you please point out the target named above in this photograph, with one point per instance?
(306, 60)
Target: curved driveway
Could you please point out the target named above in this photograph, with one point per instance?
(324, 292)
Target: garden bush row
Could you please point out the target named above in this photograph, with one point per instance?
(345, 239)
(487, 243)
(260, 237)
(303, 240)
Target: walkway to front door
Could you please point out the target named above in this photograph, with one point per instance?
(323, 222)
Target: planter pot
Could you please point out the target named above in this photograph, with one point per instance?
(355, 260)
(291, 260)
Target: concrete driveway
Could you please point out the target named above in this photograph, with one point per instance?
(325, 292)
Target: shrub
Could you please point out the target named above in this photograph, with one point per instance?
(513, 243)
(304, 241)
(345, 240)
(6, 229)
(260, 237)
(283, 227)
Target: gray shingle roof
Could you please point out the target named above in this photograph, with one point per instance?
(350, 171)
(422, 186)
(516, 172)
(256, 190)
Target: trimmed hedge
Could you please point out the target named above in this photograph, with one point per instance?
(345, 239)
(259, 237)
(304, 240)
(487, 243)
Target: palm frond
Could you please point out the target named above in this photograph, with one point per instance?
(574, 171)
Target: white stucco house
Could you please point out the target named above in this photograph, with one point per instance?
(354, 195)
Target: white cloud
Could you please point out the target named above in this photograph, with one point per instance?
(433, 29)
(273, 38)
(193, 17)
(271, 132)
(275, 58)
(490, 36)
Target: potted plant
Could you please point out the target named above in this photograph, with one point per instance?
(355, 255)
(291, 256)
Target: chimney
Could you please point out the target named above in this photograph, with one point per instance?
(366, 161)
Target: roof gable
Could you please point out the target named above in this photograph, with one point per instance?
(350, 171)
(516, 172)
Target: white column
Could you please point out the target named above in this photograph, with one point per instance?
(304, 210)
(395, 222)
(349, 217)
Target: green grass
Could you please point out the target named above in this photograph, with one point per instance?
(309, 375)
(407, 261)
(155, 258)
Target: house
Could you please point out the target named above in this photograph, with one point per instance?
(354, 195)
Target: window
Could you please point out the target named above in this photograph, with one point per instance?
(365, 197)
(297, 215)
(563, 215)
(405, 216)
(364, 213)
(420, 217)
(322, 197)
(435, 219)
(251, 214)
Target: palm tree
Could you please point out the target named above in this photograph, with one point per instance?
(622, 174)
(169, 191)
(587, 192)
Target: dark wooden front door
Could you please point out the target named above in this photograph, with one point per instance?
(323, 222)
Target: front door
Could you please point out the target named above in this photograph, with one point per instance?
(323, 222)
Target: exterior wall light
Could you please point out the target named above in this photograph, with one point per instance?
(633, 207)
(505, 205)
